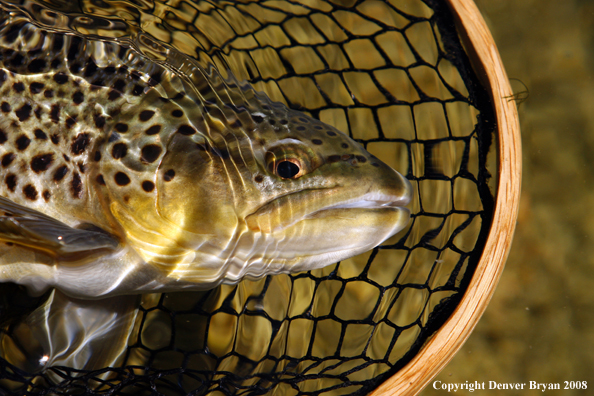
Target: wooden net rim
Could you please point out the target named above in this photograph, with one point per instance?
(440, 349)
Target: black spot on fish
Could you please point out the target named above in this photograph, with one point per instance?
(78, 97)
(119, 150)
(186, 130)
(155, 79)
(99, 121)
(39, 134)
(41, 162)
(300, 128)
(150, 153)
(135, 74)
(60, 78)
(58, 43)
(5, 107)
(271, 121)
(70, 121)
(123, 68)
(22, 142)
(259, 178)
(36, 65)
(11, 181)
(38, 113)
(7, 159)
(344, 145)
(24, 112)
(66, 158)
(55, 113)
(80, 143)
(3, 137)
(375, 164)
(109, 70)
(318, 127)
(317, 141)
(46, 195)
(113, 94)
(30, 192)
(2, 77)
(333, 158)
(303, 120)
(60, 173)
(330, 133)
(361, 159)
(121, 127)
(137, 90)
(177, 113)
(146, 115)
(13, 32)
(100, 180)
(119, 85)
(148, 186)
(36, 87)
(18, 87)
(114, 137)
(55, 138)
(97, 156)
(17, 60)
(236, 124)
(153, 130)
(169, 175)
(121, 179)
(49, 93)
(76, 186)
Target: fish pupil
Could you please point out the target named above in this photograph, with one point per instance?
(287, 169)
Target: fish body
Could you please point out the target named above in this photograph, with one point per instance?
(122, 175)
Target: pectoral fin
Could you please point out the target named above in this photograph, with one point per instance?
(25, 226)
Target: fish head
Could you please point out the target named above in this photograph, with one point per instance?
(273, 190)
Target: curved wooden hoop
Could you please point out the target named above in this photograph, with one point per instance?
(440, 349)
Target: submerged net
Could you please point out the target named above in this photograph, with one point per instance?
(392, 75)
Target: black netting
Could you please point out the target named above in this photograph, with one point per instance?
(395, 77)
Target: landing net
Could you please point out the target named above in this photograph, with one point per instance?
(394, 76)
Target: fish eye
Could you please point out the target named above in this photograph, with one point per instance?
(288, 169)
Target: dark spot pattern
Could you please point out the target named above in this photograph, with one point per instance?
(48, 93)
(259, 178)
(361, 159)
(113, 94)
(24, 112)
(121, 127)
(100, 180)
(148, 185)
(2, 77)
(80, 143)
(70, 121)
(331, 133)
(55, 113)
(146, 115)
(36, 87)
(300, 128)
(169, 175)
(30, 192)
(11, 181)
(39, 134)
(186, 130)
(18, 87)
(137, 90)
(41, 162)
(60, 78)
(97, 156)
(46, 195)
(375, 164)
(257, 118)
(99, 121)
(22, 142)
(5, 107)
(76, 186)
(119, 150)
(344, 145)
(3, 137)
(177, 113)
(150, 153)
(317, 141)
(7, 159)
(60, 173)
(78, 97)
(119, 84)
(121, 179)
(55, 138)
(153, 130)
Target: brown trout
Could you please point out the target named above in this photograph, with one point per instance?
(123, 174)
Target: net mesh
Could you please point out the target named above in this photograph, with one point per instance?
(392, 75)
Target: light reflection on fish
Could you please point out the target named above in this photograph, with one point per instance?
(121, 175)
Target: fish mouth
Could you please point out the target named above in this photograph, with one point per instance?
(287, 210)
